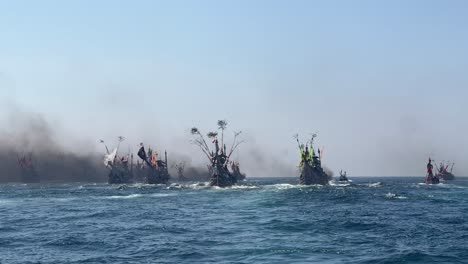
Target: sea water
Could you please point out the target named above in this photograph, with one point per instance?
(267, 220)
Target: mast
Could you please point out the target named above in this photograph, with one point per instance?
(118, 146)
(131, 164)
(165, 160)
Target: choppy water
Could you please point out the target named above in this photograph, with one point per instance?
(374, 220)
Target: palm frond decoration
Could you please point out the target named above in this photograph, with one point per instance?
(212, 135)
(222, 124)
(194, 131)
(199, 140)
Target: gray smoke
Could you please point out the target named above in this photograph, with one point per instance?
(59, 158)
(192, 172)
(261, 163)
(31, 135)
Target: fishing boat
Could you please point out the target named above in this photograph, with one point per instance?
(235, 167)
(430, 177)
(311, 165)
(120, 171)
(218, 156)
(444, 173)
(27, 170)
(343, 177)
(156, 170)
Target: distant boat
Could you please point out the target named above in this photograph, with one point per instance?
(28, 171)
(156, 170)
(119, 169)
(444, 173)
(430, 177)
(219, 156)
(343, 177)
(311, 165)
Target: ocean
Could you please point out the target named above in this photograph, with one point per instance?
(268, 220)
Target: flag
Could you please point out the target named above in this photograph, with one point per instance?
(142, 153)
(109, 158)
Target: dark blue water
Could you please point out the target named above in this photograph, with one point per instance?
(270, 221)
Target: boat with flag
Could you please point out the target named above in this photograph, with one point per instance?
(156, 170)
(430, 177)
(120, 171)
(311, 164)
(218, 155)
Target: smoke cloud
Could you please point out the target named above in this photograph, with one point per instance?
(31, 135)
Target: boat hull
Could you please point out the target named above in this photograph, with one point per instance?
(157, 176)
(313, 175)
(446, 176)
(120, 175)
(221, 177)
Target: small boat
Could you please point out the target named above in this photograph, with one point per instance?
(444, 173)
(343, 177)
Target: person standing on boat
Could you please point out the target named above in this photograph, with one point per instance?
(301, 151)
(307, 155)
(430, 175)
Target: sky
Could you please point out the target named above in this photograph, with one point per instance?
(383, 83)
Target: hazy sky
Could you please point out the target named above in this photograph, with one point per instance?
(384, 83)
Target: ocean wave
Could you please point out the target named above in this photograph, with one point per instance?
(68, 199)
(283, 186)
(139, 195)
(244, 187)
(194, 186)
(451, 185)
(395, 196)
(339, 184)
(7, 202)
(375, 184)
(130, 196)
(161, 194)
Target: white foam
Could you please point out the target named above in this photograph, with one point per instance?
(162, 194)
(64, 199)
(131, 196)
(138, 195)
(284, 186)
(394, 196)
(340, 184)
(375, 184)
(244, 187)
(7, 202)
(451, 185)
